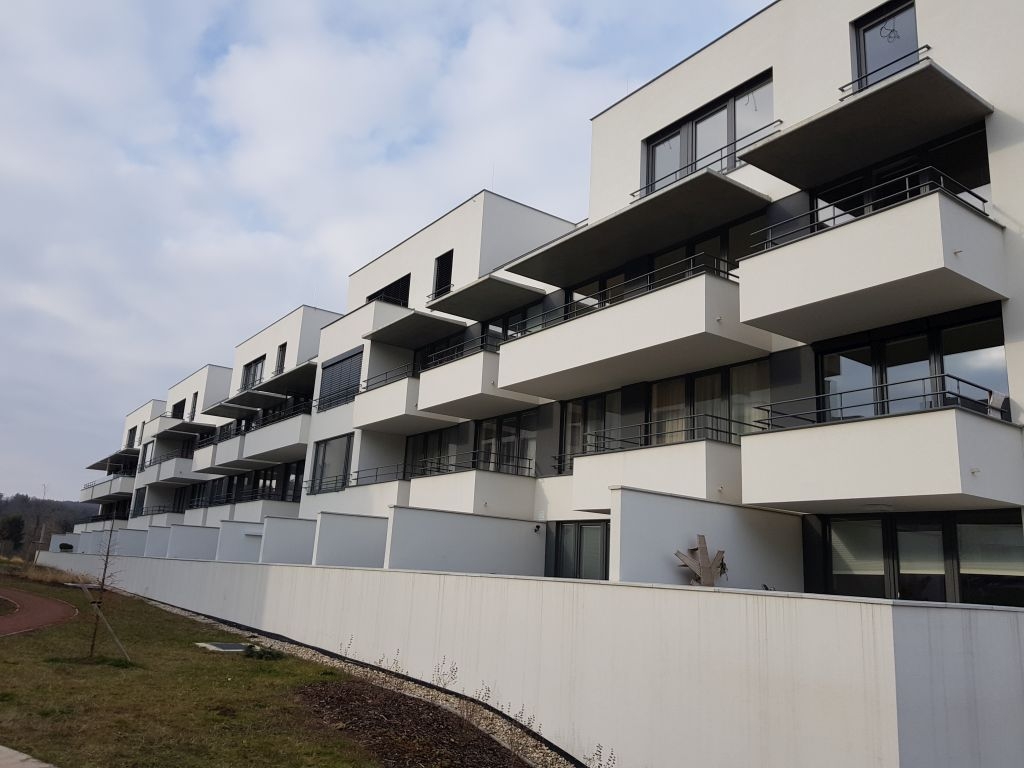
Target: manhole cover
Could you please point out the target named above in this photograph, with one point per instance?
(225, 647)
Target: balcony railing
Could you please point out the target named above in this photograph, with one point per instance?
(386, 474)
(653, 434)
(371, 476)
(263, 494)
(719, 159)
(466, 461)
(863, 203)
(663, 277)
(185, 452)
(910, 396)
(484, 343)
(298, 409)
(326, 402)
(894, 67)
(159, 509)
(123, 472)
(398, 301)
(387, 377)
(119, 515)
(444, 289)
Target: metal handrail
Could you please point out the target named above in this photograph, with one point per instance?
(260, 494)
(662, 277)
(387, 377)
(443, 290)
(104, 516)
(185, 452)
(158, 509)
(273, 417)
(249, 385)
(850, 85)
(484, 343)
(373, 475)
(316, 485)
(652, 434)
(390, 300)
(692, 167)
(939, 391)
(465, 461)
(123, 472)
(928, 179)
(335, 399)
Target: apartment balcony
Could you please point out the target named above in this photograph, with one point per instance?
(389, 402)
(407, 328)
(369, 491)
(278, 437)
(475, 482)
(159, 515)
(169, 469)
(111, 488)
(681, 208)
(485, 298)
(254, 506)
(932, 444)
(871, 122)
(680, 318)
(913, 247)
(697, 456)
(461, 381)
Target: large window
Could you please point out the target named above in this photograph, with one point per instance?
(886, 41)
(178, 410)
(443, 274)
(508, 443)
(252, 373)
(956, 359)
(716, 405)
(581, 550)
(339, 381)
(971, 557)
(395, 293)
(282, 350)
(331, 461)
(437, 452)
(711, 137)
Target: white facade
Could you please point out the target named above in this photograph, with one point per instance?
(793, 324)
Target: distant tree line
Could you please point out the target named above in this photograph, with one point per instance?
(25, 520)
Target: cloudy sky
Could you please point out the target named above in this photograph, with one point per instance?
(175, 176)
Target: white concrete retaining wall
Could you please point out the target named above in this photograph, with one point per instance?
(239, 542)
(156, 540)
(192, 542)
(662, 675)
(129, 542)
(432, 540)
(93, 542)
(352, 540)
(64, 538)
(288, 540)
(761, 547)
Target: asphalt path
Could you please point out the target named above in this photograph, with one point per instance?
(33, 612)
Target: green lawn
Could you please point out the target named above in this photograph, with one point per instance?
(180, 707)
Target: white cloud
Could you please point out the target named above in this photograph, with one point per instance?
(175, 176)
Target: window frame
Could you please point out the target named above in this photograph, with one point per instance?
(686, 130)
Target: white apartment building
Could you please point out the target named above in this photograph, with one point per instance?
(793, 323)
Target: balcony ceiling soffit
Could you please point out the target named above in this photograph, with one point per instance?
(487, 297)
(415, 330)
(909, 109)
(117, 458)
(696, 204)
(298, 380)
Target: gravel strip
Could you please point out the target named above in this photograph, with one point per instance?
(519, 737)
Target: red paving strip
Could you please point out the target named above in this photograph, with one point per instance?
(33, 612)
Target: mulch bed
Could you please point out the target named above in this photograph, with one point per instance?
(402, 731)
